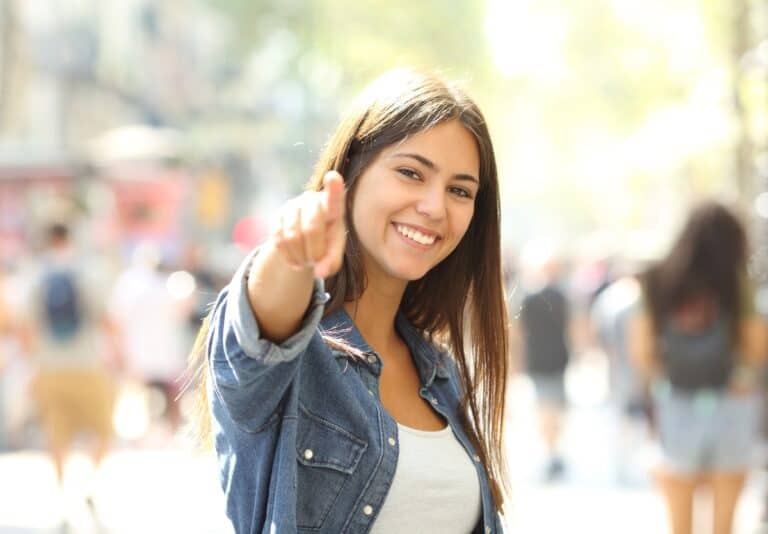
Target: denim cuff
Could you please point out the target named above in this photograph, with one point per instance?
(246, 329)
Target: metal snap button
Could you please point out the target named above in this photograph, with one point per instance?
(367, 509)
(308, 454)
(391, 441)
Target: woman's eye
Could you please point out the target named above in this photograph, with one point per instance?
(461, 192)
(410, 173)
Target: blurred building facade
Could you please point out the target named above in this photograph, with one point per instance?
(131, 114)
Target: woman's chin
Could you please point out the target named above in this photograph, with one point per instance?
(407, 271)
(410, 274)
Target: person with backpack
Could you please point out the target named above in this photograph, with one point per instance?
(700, 346)
(64, 325)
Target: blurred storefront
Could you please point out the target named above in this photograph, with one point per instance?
(32, 189)
(119, 201)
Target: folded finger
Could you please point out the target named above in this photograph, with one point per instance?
(290, 241)
(313, 228)
(331, 262)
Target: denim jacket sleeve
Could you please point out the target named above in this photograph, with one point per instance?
(250, 374)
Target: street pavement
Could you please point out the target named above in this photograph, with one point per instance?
(168, 490)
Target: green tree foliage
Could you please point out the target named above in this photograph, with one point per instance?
(609, 113)
(363, 37)
(620, 111)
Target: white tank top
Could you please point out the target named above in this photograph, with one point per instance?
(435, 489)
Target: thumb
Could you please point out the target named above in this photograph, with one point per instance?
(333, 187)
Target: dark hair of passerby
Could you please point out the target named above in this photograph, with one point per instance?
(459, 303)
(57, 234)
(708, 260)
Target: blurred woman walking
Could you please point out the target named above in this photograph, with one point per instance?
(700, 346)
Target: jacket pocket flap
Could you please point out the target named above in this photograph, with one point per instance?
(321, 443)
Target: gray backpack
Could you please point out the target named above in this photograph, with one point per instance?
(699, 359)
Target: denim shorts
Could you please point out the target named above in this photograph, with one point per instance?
(707, 430)
(550, 388)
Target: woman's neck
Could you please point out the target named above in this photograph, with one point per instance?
(374, 314)
(695, 313)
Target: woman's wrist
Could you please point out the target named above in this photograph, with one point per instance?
(279, 295)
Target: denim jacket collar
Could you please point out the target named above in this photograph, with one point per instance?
(340, 324)
(429, 362)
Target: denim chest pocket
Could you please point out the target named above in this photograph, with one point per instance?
(327, 457)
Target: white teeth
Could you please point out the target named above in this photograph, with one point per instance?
(415, 235)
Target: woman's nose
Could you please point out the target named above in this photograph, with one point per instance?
(432, 203)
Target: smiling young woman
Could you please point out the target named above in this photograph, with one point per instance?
(410, 206)
(377, 406)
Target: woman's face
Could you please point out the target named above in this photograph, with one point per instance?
(415, 200)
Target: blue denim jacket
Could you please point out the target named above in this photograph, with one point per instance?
(301, 435)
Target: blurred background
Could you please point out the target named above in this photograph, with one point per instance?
(166, 133)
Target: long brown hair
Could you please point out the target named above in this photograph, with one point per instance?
(460, 302)
(708, 259)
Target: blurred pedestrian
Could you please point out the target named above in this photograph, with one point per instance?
(700, 344)
(5, 335)
(64, 322)
(207, 283)
(611, 316)
(15, 376)
(544, 325)
(151, 325)
(343, 412)
(197, 262)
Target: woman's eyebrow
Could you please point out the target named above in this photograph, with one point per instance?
(431, 165)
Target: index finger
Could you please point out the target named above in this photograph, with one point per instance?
(333, 186)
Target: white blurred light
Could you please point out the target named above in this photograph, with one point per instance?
(587, 383)
(761, 301)
(526, 38)
(180, 285)
(761, 205)
(131, 415)
(762, 52)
